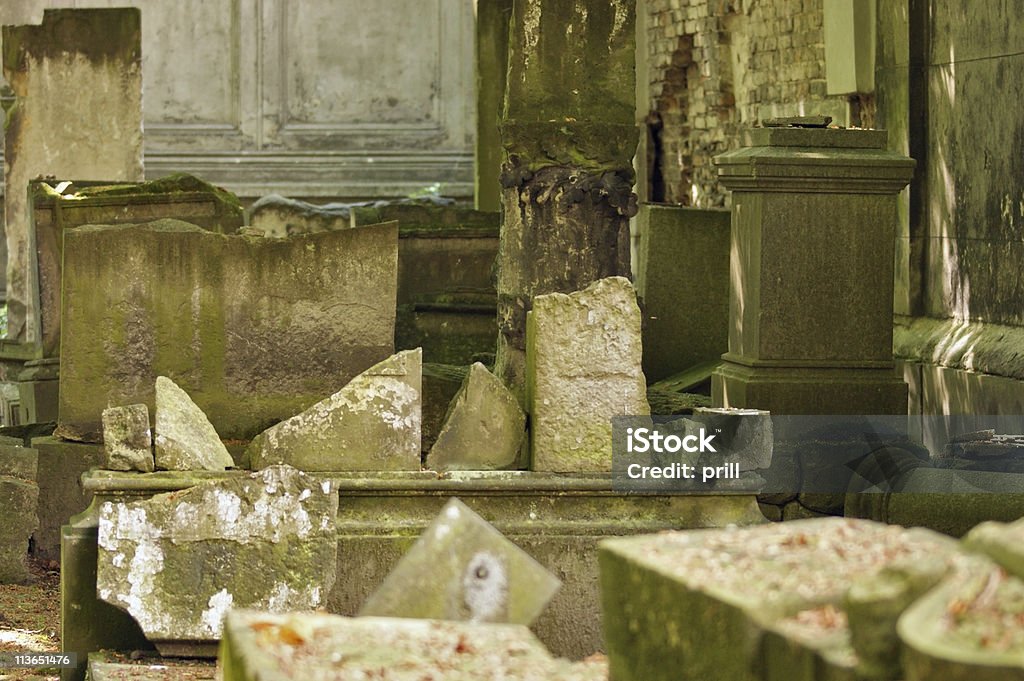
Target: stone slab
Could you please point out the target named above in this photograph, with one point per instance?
(371, 424)
(484, 428)
(19, 463)
(127, 438)
(271, 536)
(77, 78)
(746, 434)
(183, 437)
(254, 329)
(583, 367)
(266, 647)
(739, 594)
(463, 569)
(61, 496)
(18, 501)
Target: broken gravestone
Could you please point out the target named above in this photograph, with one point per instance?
(321, 646)
(127, 439)
(484, 428)
(463, 569)
(583, 368)
(179, 561)
(19, 498)
(372, 424)
(185, 439)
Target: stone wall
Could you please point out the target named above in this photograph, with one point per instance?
(715, 66)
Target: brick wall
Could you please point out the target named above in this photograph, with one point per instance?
(716, 66)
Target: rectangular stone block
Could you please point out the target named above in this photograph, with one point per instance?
(61, 496)
(77, 81)
(181, 196)
(255, 330)
(683, 280)
(583, 368)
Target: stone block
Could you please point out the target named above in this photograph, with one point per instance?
(372, 424)
(745, 434)
(61, 496)
(183, 437)
(254, 329)
(19, 463)
(18, 502)
(127, 438)
(683, 280)
(178, 562)
(583, 368)
(262, 646)
(463, 569)
(1002, 542)
(77, 78)
(758, 603)
(278, 216)
(178, 196)
(484, 428)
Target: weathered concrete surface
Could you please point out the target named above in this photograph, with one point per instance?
(484, 428)
(313, 646)
(77, 80)
(463, 569)
(127, 438)
(758, 603)
(178, 196)
(682, 278)
(178, 562)
(567, 177)
(372, 424)
(254, 329)
(584, 367)
(183, 437)
(19, 498)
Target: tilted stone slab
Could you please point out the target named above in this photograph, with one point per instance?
(19, 500)
(583, 368)
(463, 569)
(185, 439)
(127, 438)
(484, 428)
(968, 628)
(257, 646)
(762, 603)
(179, 561)
(254, 329)
(371, 424)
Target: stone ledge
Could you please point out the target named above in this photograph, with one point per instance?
(972, 346)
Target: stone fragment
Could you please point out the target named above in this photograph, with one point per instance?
(1002, 542)
(77, 79)
(179, 561)
(371, 424)
(127, 438)
(463, 569)
(256, 330)
(745, 435)
(484, 428)
(264, 646)
(18, 503)
(184, 438)
(583, 368)
(769, 598)
(441, 383)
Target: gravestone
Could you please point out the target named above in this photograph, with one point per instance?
(128, 439)
(178, 562)
(372, 424)
(19, 496)
(463, 569)
(180, 196)
(255, 330)
(77, 80)
(583, 368)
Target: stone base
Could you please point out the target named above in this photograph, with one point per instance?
(558, 519)
(61, 465)
(808, 391)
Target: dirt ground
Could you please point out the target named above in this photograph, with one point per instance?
(30, 620)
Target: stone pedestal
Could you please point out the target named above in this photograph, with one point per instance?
(813, 229)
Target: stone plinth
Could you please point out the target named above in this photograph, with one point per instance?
(77, 79)
(255, 330)
(682, 278)
(813, 223)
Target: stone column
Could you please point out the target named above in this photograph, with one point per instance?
(813, 226)
(77, 80)
(569, 136)
(492, 18)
